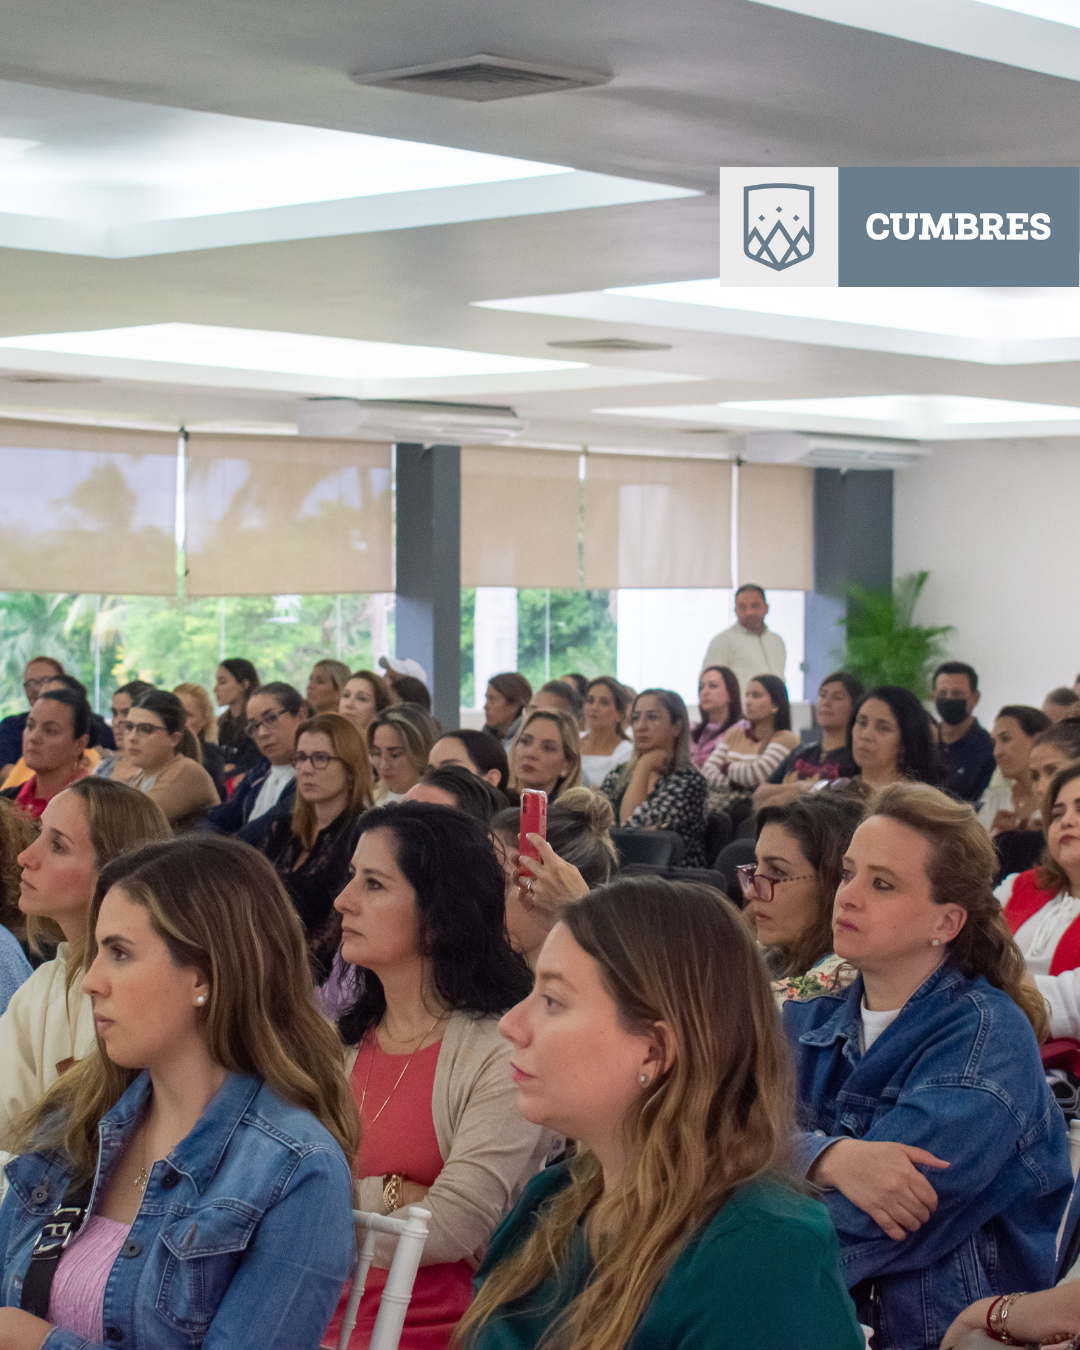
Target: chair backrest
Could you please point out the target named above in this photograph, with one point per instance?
(662, 848)
(411, 1234)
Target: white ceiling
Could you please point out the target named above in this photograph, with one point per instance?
(125, 115)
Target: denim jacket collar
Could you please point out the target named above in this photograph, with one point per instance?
(198, 1154)
(845, 1023)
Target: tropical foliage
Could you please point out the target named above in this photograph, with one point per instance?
(883, 645)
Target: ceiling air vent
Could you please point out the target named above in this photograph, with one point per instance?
(480, 78)
(835, 451)
(407, 419)
(609, 345)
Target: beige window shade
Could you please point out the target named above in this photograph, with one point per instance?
(87, 509)
(519, 517)
(281, 515)
(776, 526)
(655, 522)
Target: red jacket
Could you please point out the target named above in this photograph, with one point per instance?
(1025, 901)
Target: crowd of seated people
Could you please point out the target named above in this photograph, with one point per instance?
(820, 1100)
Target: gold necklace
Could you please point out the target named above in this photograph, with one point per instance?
(144, 1175)
(401, 1075)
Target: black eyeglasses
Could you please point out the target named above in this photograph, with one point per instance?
(318, 759)
(753, 884)
(267, 721)
(141, 728)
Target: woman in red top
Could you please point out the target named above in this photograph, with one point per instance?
(58, 729)
(423, 917)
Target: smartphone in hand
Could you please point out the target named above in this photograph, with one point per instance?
(533, 820)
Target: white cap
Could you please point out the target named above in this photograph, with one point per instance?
(404, 666)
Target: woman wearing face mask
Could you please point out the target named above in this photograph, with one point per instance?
(1014, 804)
(363, 697)
(890, 739)
(399, 743)
(476, 751)
(206, 1142)
(658, 788)
(166, 754)
(508, 695)
(650, 1038)
(789, 890)
(721, 707)
(605, 744)
(546, 754)
(423, 919)
(929, 1123)
(275, 711)
(49, 1022)
(748, 753)
(237, 679)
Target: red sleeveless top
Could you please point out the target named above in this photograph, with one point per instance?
(1026, 900)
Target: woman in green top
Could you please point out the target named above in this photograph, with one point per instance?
(651, 1038)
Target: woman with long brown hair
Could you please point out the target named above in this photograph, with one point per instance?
(203, 1151)
(651, 1038)
(930, 1060)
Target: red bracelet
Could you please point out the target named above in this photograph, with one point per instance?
(989, 1313)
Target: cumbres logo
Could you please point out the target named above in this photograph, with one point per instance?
(778, 224)
(1012, 226)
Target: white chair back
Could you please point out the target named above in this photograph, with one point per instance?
(411, 1234)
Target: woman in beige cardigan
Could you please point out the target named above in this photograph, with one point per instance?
(49, 1023)
(167, 755)
(423, 917)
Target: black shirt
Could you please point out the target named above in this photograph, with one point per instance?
(808, 761)
(969, 763)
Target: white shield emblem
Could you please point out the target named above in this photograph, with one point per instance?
(778, 224)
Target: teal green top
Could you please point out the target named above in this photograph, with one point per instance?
(763, 1275)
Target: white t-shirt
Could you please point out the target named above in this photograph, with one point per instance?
(1037, 939)
(595, 768)
(277, 780)
(872, 1024)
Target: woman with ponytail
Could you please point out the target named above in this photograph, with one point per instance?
(651, 1038)
(166, 754)
(929, 1062)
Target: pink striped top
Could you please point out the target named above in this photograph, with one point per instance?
(77, 1299)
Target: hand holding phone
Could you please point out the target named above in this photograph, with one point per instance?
(533, 820)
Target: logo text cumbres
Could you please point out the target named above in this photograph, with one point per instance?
(1012, 226)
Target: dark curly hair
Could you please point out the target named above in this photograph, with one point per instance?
(449, 860)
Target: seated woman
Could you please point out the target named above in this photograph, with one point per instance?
(1051, 750)
(658, 788)
(1061, 704)
(399, 742)
(558, 696)
(789, 890)
(823, 760)
(311, 846)
(165, 753)
(17, 833)
(326, 683)
(576, 856)
(508, 695)
(363, 697)
(720, 704)
(117, 766)
(58, 729)
(237, 679)
(49, 1022)
(275, 711)
(546, 754)
(202, 724)
(1013, 804)
(476, 751)
(605, 744)
(748, 752)
(890, 739)
(651, 1039)
(456, 787)
(215, 1210)
(423, 919)
(930, 1060)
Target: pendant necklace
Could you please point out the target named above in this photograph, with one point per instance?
(401, 1075)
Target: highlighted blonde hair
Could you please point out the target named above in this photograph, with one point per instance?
(570, 734)
(206, 707)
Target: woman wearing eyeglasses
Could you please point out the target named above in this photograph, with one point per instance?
(275, 712)
(311, 847)
(789, 890)
(166, 754)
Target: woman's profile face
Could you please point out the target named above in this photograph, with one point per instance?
(196, 721)
(380, 927)
(713, 697)
(227, 690)
(540, 760)
(59, 870)
(357, 702)
(322, 692)
(575, 1064)
(1012, 746)
(391, 760)
(758, 702)
(876, 744)
(793, 909)
(499, 712)
(1043, 762)
(1063, 831)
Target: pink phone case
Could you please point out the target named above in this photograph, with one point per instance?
(533, 820)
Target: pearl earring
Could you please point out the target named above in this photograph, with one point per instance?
(644, 1079)
(201, 1000)
(935, 942)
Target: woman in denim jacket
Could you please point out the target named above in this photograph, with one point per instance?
(201, 1155)
(929, 1063)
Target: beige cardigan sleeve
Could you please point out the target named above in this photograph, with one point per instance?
(489, 1150)
(183, 790)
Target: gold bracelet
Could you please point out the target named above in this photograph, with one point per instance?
(1000, 1316)
(392, 1197)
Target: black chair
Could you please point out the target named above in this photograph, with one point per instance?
(736, 854)
(719, 830)
(1018, 850)
(703, 874)
(661, 848)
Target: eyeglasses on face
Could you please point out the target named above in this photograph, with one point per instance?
(37, 684)
(753, 884)
(318, 759)
(267, 721)
(140, 728)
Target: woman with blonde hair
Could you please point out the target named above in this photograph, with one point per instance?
(202, 1153)
(650, 1037)
(325, 684)
(930, 1060)
(49, 1022)
(202, 724)
(399, 742)
(363, 696)
(546, 753)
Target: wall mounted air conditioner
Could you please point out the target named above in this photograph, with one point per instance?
(821, 451)
(407, 420)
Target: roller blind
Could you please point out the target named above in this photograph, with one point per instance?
(776, 526)
(657, 522)
(519, 517)
(283, 515)
(87, 509)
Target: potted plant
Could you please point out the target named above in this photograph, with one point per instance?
(882, 644)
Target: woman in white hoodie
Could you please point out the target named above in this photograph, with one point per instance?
(48, 1023)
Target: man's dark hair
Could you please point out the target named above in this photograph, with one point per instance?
(69, 682)
(958, 668)
(411, 690)
(751, 586)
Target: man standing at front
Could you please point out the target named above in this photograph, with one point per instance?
(748, 647)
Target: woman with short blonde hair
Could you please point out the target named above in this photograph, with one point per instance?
(399, 742)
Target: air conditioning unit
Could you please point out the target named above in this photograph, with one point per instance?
(481, 78)
(407, 420)
(832, 452)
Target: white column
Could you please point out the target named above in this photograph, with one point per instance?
(495, 636)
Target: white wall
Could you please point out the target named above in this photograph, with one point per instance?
(997, 524)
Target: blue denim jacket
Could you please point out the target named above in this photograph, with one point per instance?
(244, 1238)
(957, 1073)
